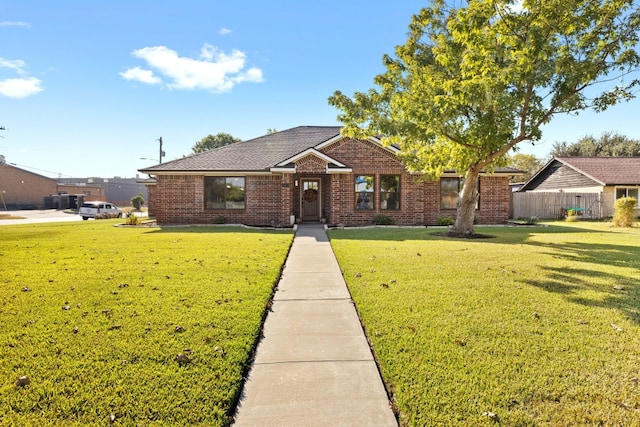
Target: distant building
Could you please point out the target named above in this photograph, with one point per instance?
(21, 189)
(116, 190)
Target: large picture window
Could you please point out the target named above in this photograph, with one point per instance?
(224, 192)
(450, 191)
(364, 191)
(389, 192)
(626, 192)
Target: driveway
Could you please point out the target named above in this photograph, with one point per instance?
(35, 216)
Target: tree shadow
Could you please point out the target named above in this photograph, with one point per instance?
(212, 229)
(578, 283)
(572, 283)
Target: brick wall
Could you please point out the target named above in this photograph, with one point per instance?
(272, 199)
(179, 199)
(22, 189)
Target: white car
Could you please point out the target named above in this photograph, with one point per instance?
(99, 210)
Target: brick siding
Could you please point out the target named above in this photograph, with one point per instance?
(272, 199)
(23, 189)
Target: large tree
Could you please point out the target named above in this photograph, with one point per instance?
(473, 81)
(609, 144)
(210, 142)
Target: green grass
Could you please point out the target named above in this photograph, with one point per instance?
(539, 326)
(95, 316)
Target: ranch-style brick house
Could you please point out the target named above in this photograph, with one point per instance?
(311, 174)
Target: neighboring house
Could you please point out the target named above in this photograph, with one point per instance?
(610, 177)
(21, 189)
(311, 174)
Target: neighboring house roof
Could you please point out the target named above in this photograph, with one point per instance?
(270, 153)
(600, 170)
(607, 170)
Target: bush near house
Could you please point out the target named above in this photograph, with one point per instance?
(624, 214)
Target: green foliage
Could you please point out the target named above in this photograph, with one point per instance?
(137, 201)
(540, 325)
(96, 322)
(210, 142)
(528, 163)
(382, 220)
(220, 219)
(533, 220)
(445, 220)
(608, 144)
(475, 80)
(624, 213)
(572, 215)
(132, 220)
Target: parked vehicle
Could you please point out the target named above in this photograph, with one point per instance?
(99, 210)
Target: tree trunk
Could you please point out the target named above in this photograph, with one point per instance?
(466, 205)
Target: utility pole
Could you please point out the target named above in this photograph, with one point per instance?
(162, 154)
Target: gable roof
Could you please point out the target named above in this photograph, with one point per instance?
(257, 155)
(602, 170)
(608, 170)
(275, 152)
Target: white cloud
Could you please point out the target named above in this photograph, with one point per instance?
(20, 87)
(17, 65)
(213, 70)
(224, 31)
(138, 74)
(15, 24)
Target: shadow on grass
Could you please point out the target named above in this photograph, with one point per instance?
(579, 283)
(490, 234)
(212, 229)
(573, 282)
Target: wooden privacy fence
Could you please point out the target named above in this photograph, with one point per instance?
(554, 205)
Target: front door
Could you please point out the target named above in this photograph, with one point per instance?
(310, 199)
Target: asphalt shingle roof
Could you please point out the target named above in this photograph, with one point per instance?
(258, 154)
(608, 170)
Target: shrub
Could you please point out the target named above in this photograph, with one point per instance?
(132, 220)
(624, 212)
(572, 215)
(445, 220)
(382, 220)
(533, 220)
(137, 201)
(220, 220)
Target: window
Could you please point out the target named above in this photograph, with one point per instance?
(626, 192)
(450, 190)
(224, 192)
(389, 192)
(364, 191)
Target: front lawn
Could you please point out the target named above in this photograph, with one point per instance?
(537, 326)
(95, 316)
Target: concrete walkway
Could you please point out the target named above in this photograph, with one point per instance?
(314, 366)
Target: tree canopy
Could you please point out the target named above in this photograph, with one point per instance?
(528, 163)
(472, 82)
(210, 142)
(608, 144)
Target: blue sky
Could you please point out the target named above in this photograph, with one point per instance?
(87, 88)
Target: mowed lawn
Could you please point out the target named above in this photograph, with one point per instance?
(95, 316)
(538, 326)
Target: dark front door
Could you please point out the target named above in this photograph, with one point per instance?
(310, 199)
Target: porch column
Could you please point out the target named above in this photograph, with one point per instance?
(286, 191)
